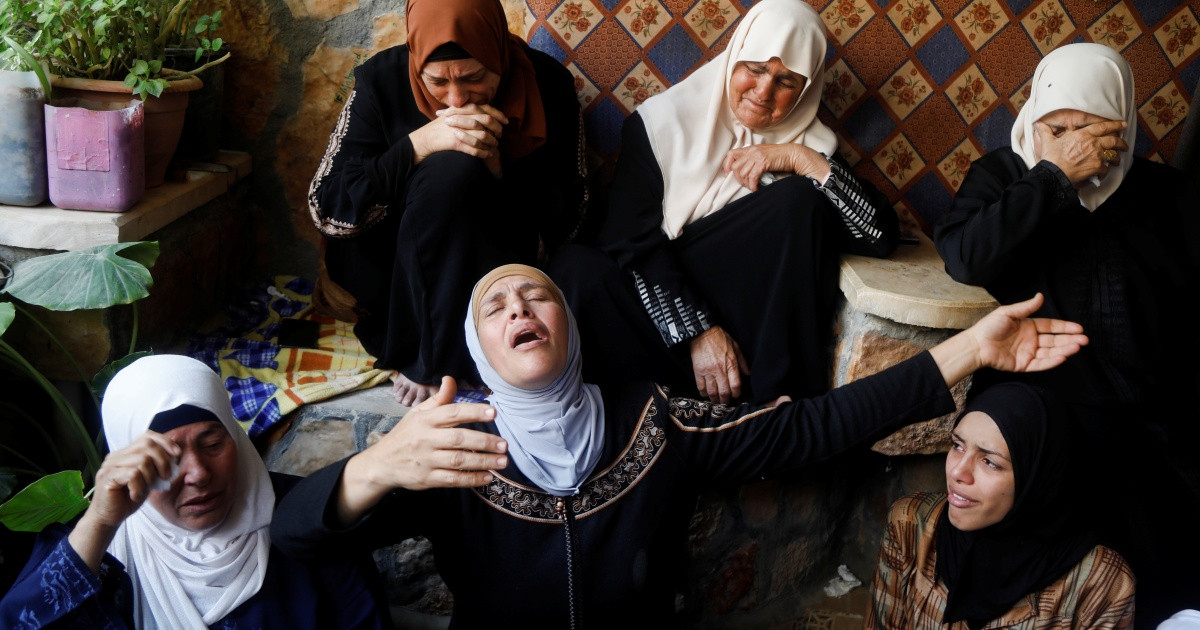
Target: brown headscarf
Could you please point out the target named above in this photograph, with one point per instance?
(481, 28)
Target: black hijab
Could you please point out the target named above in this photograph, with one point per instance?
(1042, 537)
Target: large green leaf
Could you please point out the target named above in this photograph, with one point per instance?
(100, 380)
(7, 313)
(54, 498)
(97, 277)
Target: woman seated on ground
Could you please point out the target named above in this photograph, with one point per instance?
(730, 261)
(1006, 546)
(559, 502)
(1113, 242)
(433, 179)
(182, 505)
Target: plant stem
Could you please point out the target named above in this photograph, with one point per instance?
(132, 338)
(36, 469)
(191, 73)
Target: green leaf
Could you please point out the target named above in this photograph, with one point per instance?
(8, 481)
(140, 67)
(199, 53)
(100, 380)
(155, 67)
(155, 87)
(54, 498)
(7, 313)
(97, 277)
(217, 43)
(131, 80)
(30, 63)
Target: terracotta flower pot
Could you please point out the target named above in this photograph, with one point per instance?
(164, 115)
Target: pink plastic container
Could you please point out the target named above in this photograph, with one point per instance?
(95, 154)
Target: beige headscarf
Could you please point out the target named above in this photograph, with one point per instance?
(691, 127)
(1090, 78)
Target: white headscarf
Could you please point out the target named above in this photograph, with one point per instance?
(691, 127)
(1091, 78)
(555, 434)
(185, 579)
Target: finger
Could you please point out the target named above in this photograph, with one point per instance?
(457, 479)
(459, 439)
(701, 385)
(454, 414)
(710, 385)
(723, 388)
(494, 113)
(1057, 326)
(1105, 128)
(166, 443)
(735, 383)
(1021, 310)
(728, 162)
(443, 396)
(467, 461)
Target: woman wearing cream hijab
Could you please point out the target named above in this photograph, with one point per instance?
(728, 260)
(1113, 241)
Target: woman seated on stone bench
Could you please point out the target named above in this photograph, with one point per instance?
(182, 505)
(1007, 544)
(560, 502)
(730, 260)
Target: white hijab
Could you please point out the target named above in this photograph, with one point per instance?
(1090, 78)
(555, 434)
(185, 579)
(691, 127)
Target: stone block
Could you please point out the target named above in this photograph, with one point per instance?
(324, 10)
(314, 445)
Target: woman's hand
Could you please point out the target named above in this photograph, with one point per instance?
(748, 164)
(426, 449)
(122, 485)
(1007, 339)
(718, 364)
(472, 129)
(1080, 153)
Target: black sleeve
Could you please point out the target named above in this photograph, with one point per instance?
(305, 522)
(632, 234)
(868, 221)
(733, 444)
(367, 163)
(999, 208)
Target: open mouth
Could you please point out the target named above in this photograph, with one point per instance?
(526, 337)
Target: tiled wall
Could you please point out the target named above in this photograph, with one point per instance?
(915, 88)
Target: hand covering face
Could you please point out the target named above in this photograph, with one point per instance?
(1091, 78)
(555, 434)
(481, 28)
(691, 127)
(185, 579)
(988, 570)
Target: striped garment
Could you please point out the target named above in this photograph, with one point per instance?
(1096, 593)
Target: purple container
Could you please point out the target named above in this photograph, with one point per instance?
(95, 154)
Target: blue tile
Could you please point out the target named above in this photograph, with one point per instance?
(1142, 144)
(610, 4)
(1190, 77)
(869, 125)
(1018, 6)
(996, 130)
(1154, 10)
(883, 3)
(943, 55)
(675, 54)
(543, 41)
(928, 198)
(604, 127)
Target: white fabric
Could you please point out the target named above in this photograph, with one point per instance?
(185, 579)
(691, 127)
(1090, 78)
(555, 434)
(1182, 620)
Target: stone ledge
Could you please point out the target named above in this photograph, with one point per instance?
(46, 227)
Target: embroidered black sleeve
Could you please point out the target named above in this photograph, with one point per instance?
(855, 207)
(675, 319)
(321, 217)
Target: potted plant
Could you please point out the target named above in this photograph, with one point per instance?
(118, 47)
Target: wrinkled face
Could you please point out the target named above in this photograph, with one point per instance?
(762, 93)
(1061, 121)
(523, 332)
(979, 474)
(458, 82)
(202, 493)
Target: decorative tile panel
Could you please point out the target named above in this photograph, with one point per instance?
(1048, 25)
(914, 19)
(644, 19)
(844, 18)
(954, 167)
(1116, 28)
(574, 19)
(842, 89)
(980, 20)
(585, 89)
(1019, 98)
(637, 86)
(899, 161)
(1178, 36)
(709, 19)
(905, 90)
(971, 94)
(1163, 111)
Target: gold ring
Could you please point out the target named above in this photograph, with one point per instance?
(1108, 156)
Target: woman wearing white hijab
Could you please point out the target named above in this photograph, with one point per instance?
(558, 502)
(731, 261)
(1113, 241)
(199, 554)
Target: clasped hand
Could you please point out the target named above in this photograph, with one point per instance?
(471, 129)
(1080, 153)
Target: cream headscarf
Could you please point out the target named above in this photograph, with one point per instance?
(184, 579)
(691, 127)
(1090, 78)
(555, 434)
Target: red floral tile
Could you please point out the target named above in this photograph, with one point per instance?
(1117, 28)
(954, 167)
(899, 161)
(844, 18)
(644, 19)
(914, 19)
(905, 90)
(1178, 36)
(842, 88)
(1163, 111)
(709, 19)
(970, 94)
(1048, 25)
(574, 19)
(980, 20)
(637, 86)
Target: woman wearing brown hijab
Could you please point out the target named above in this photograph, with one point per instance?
(455, 153)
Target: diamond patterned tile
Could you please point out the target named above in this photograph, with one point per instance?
(574, 19)
(842, 89)
(848, 153)
(914, 19)
(1117, 28)
(585, 89)
(844, 18)
(676, 54)
(1021, 96)
(709, 19)
(1178, 36)
(644, 19)
(981, 20)
(971, 94)
(640, 84)
(1048, 25)
(954, 167)
(899, 161)
(1163, 111)
(905, 90)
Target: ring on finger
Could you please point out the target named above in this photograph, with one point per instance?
(1108, 156)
